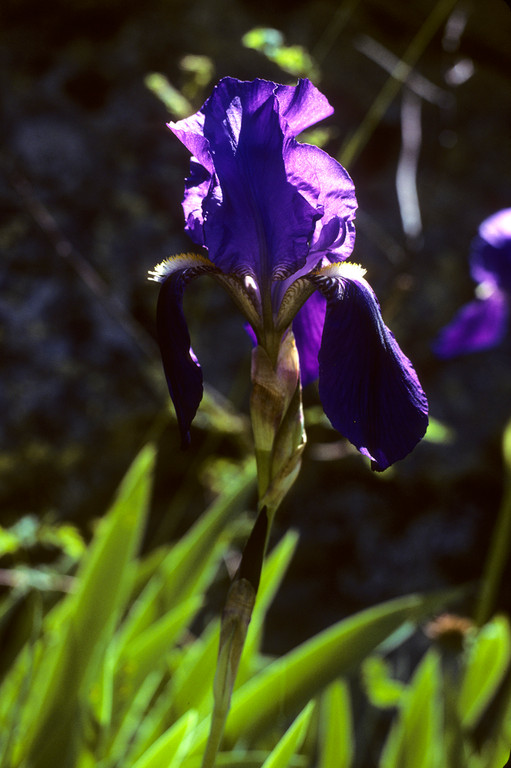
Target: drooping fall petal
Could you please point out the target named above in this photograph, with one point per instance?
(182, 370)
(368, 387)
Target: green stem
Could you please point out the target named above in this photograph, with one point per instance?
(216, 731)
(233, 631)
(496, 560)
(500, 544)
(277, 423)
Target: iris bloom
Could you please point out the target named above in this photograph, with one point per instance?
(482, 323)
(275, 218)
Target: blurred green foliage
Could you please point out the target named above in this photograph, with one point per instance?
(294, 59)
(118, 671)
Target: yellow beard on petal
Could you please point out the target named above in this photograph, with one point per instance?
(175, 263)
(343, 269)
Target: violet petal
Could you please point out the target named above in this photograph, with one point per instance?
(308, 328)
(481, 324)
(491, 251)
(368, 387)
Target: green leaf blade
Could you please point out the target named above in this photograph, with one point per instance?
(287, 684)
(88, 620)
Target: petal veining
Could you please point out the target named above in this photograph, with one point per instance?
(254, 194)
(262, 224)
(328, 186)
(368, 387)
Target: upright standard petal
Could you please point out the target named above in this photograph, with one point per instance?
(368, 387)
(479, 325)
(302, 105)
(328, 186)
(197, 185)
(190, 132)
(182, 370)
(260, 225)
(244, 205)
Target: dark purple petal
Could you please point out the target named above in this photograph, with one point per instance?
(478, 325)
(368, 387)
(251, 215)
(260, 225)
(308, 328)
(491, 251)
(182, 371)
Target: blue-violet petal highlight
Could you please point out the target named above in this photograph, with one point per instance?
(308, 328)
(259, 224)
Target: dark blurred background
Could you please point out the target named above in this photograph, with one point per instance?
(90, 187)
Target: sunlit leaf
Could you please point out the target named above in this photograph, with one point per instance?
(174, 101)
(294, 59)
(192, 680)
(149, 650)
(437, 432)
(291, 741)
(381, 688)
(336, 735)
(488, 658)
(189, 566)
(507, 447)
(416, 739)
(89, 621)
(170, 749)
(137, 723)
(284, 687)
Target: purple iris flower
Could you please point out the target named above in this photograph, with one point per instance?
(276, 220)
(482, 323)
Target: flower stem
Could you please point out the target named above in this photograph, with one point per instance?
(500, 544)
(233, 631)
(279, 438)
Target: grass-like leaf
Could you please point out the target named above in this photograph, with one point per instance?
(291, 741)
(416, 740)
(287, 684)
(74, 654)
(170, 749)
(488, 660)
(336, 737)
